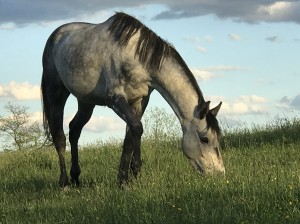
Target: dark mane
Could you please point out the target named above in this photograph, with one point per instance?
(151, 49)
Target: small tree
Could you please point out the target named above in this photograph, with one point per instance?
(18, 131)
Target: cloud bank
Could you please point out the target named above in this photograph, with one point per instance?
(100, 124)
(242, 105)
(20, 91)
(243, 10)
(21, 13)
(290, 102)
(204, 74)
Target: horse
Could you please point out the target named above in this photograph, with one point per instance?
(118, 63)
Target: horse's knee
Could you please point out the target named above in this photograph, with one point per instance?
(59, 140)
(74, 133)
(73, 136)
(137, 128)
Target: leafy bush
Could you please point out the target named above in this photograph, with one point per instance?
(18, 131)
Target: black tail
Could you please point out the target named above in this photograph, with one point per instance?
(46, 109)
(48, 87)
(47, 120)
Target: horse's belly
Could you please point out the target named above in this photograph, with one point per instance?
(90, 89)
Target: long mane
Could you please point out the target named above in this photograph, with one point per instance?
(151, 49)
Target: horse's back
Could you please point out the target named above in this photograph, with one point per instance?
(75, 51)
(92, 65)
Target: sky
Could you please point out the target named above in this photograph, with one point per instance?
(243, 53)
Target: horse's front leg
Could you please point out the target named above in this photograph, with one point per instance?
(139, 108)
(82, 116)
(131, 155)
(132, 140)
(128, 147)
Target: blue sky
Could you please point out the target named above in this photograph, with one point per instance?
(244, 53)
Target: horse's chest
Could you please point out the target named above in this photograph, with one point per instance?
(135, 90)
(132, 80)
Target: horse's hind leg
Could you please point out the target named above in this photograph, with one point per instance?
(59, 140)
(57, 96)
(82, 116)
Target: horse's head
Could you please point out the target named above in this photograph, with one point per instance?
(201, 138)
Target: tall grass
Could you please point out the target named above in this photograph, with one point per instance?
(262, 183)
(281, 131)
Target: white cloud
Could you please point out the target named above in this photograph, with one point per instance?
(36, 116)
(234, 37)
(224, 68)
(238, 108)
(197, 41)
(22, 12)
(279, 11)
(105, 123)
(100, 124)
(253, 11)
(253, 99)
(7, 26)
(20, 91)
(201, 49)
(275, 8)
(208, 39)
(212, 72)
(192, 39)
(202, 74)
(288, 102)
(242, 105)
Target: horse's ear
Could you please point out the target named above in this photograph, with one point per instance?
(204, 109)
(215, 110)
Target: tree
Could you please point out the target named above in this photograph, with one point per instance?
(18, 131)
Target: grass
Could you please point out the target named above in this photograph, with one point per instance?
(262, 183)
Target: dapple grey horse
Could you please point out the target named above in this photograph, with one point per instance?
(118, 63)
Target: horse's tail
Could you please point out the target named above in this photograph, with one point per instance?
(47, 119)
(46, 109)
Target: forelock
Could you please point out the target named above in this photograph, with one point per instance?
(212, 123)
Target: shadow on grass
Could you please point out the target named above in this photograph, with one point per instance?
(188, 206)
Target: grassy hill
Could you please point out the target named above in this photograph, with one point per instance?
(262, 183)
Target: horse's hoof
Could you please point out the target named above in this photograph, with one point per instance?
(75, 182)
(123, 181)
(123, 185)
(64, 182)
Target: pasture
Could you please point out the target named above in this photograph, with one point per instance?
(262, 182)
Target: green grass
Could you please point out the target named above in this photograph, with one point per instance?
(262, 183)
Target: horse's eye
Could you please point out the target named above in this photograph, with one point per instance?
(204, 140)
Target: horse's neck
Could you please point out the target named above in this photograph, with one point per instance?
(174, 85)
